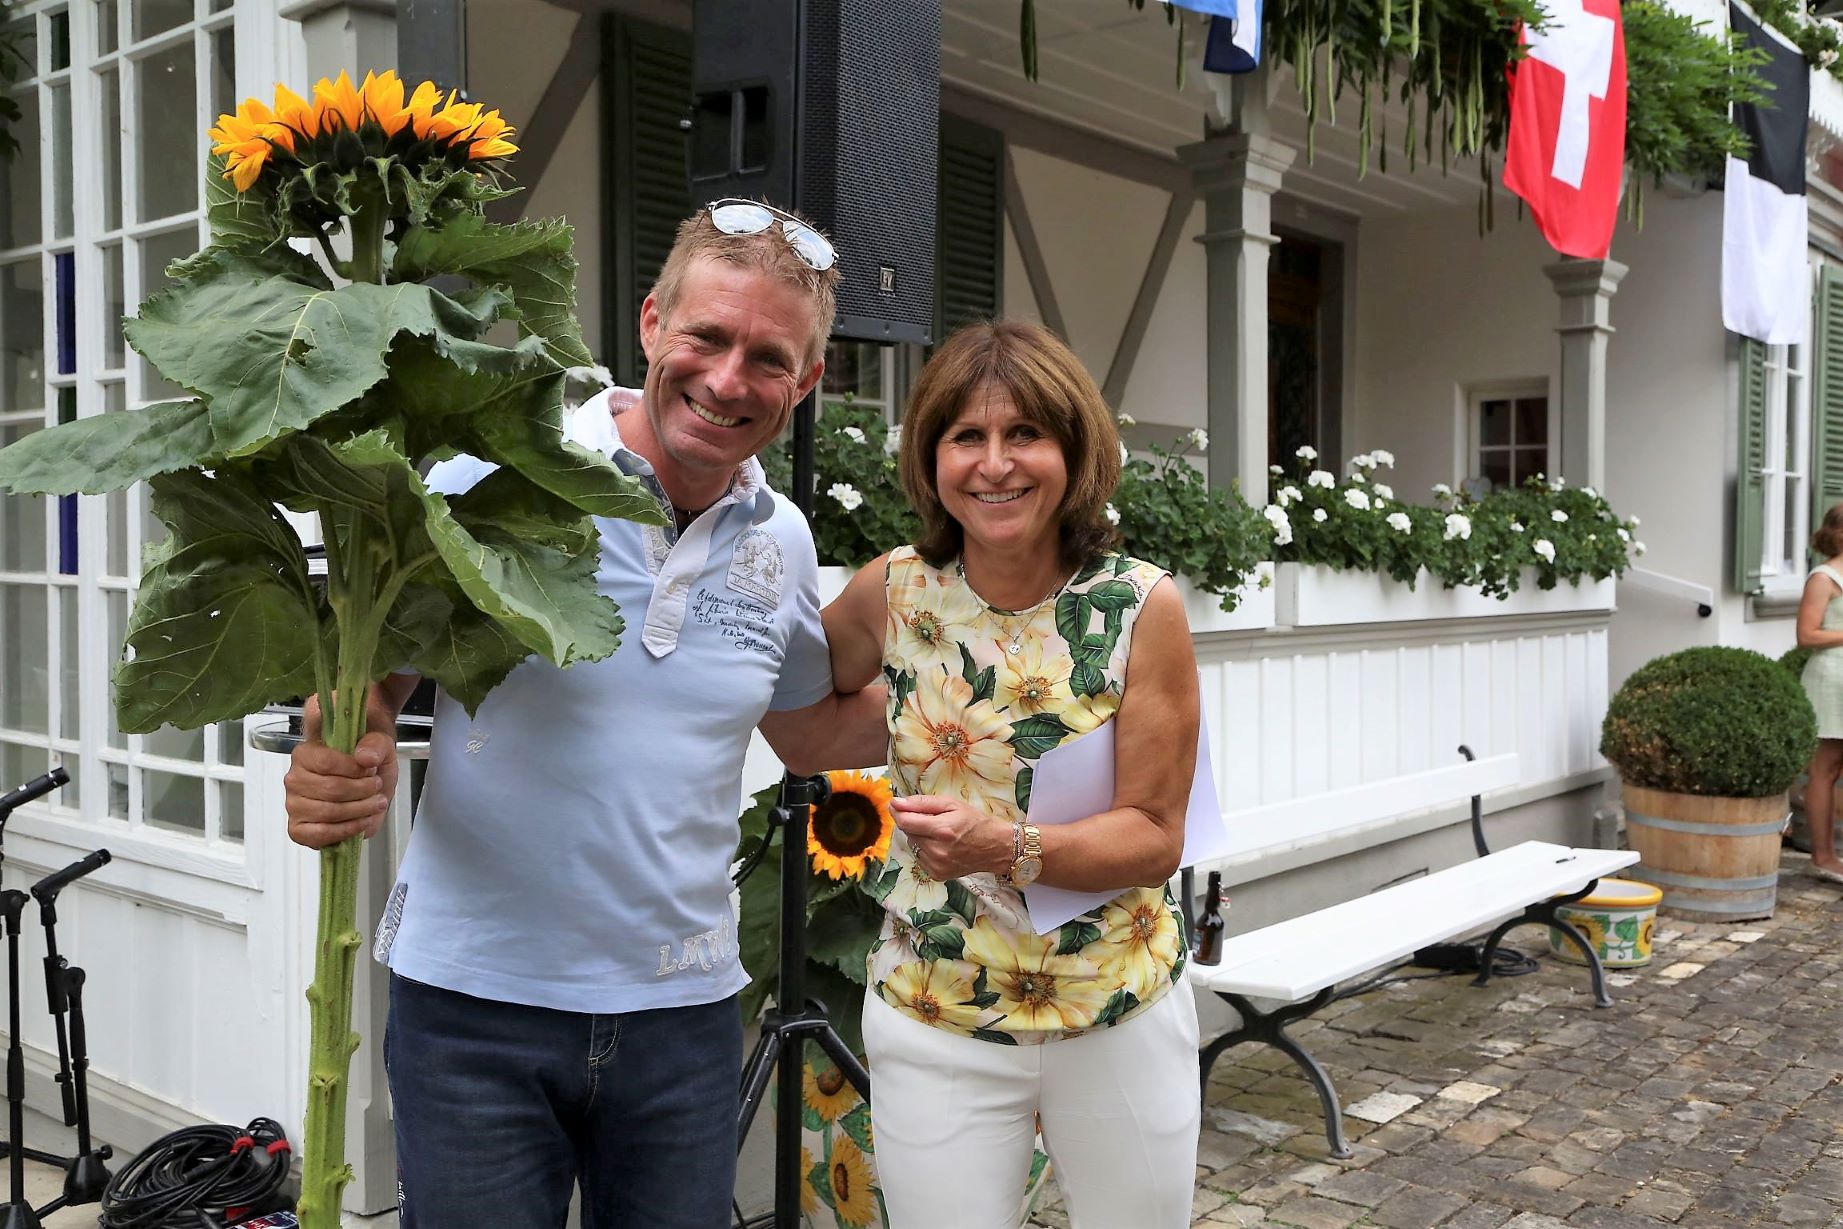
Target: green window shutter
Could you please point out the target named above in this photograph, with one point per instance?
(1750, 483)
(970, 228)
(646, 91)
(1827, 397)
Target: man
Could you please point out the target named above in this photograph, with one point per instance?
(563, 956)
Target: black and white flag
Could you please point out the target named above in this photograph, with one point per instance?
(1765, 286)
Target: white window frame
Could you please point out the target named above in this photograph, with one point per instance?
(1473, 397)
(1788, 419)
(109, 804)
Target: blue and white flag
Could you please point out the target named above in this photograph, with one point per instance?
(1234, 44)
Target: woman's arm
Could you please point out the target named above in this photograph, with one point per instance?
(854, 627)
(1140, 838)
(1819, 589)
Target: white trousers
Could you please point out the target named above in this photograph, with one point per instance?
(955, 1120)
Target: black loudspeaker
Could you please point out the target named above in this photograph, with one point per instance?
(832, 107)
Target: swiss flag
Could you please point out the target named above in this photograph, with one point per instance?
(1567, 125)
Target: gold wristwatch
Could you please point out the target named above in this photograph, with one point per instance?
(1027, 849)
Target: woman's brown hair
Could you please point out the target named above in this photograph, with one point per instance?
(1828, 540)
(1050, 387)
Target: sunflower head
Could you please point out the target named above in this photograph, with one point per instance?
(851, 828)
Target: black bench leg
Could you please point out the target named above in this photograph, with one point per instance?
(1270, 1027)
(1544, 915)
(1489, 955)
(1600, 997)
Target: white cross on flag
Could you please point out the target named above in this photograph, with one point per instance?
(1566, 151)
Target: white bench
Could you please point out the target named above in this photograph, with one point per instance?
(1301, 961)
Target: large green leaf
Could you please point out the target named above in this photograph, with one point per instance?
(531, 259)
(108, 451)
(271, 353)
(242, 222)
(469, 655)
(227, 620)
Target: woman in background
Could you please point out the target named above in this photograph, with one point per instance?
(1820, 629)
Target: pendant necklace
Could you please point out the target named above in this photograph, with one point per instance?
(1016, 642)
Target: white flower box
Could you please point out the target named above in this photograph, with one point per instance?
(1316, 596)
(1253, 613)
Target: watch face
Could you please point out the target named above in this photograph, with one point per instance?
(1027, 870)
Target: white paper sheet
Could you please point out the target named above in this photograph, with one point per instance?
(1075, 780)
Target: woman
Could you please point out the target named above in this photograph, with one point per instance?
(1820, 628)
(1010, 627)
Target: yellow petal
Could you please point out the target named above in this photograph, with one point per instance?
(422, 106)
(384, 100)
(296, 112)
(491, 149)
(339, 99)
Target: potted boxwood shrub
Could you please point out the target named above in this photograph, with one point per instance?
(1708, 741)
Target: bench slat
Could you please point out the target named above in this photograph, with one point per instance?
(1296, 958)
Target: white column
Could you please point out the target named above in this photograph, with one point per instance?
(1585, 288)
(352, 36)
(1236, 175)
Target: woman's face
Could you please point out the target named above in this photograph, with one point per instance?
(1001, 476)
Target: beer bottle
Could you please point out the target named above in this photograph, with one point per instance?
(1210, 927)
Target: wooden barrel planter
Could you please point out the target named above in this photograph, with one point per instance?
(1717, 859)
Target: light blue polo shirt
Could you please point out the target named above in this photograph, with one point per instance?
(572, 845)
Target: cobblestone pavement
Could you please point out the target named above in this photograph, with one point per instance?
(1709, 1096)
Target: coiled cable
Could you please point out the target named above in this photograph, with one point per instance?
(200, 1176)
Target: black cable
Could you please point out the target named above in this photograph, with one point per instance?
(199, 1176)
(1448, 960)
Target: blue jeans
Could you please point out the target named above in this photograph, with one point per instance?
(501, 1109)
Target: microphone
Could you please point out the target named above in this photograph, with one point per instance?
(37, 787)
(46, 890)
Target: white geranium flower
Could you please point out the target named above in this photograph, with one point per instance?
(1124, 455)
(1557, 483)
(1363, 460)
(1590, 493)
(847, 495)
(1545, 548)
(1458, 526)
(1289, 494)
(1442, 490)
(1126, 420)
(1356, 499)
(1198, 439)
(1282, 525)
(1275, 470)
(1384, 457)
(893, 440)
(1399, 522)
(1385, 491)
(1638, 548)
(1305, 452)
(1631, 522)
(1318, 514)
(1113, 515)
(1321, 477)
(1624, 536)
(1516, 526)
(1558, 516)
(855, 434)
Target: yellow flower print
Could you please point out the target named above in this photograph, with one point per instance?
(828, 1092)
(953, 744)
(1592, 929)
(1031, 681)
(933, 992)
(850, 1173)
(1140, 938)
(1087, 712)
(1037, 989)
(914, 889)
(927, 621)
(809, 1198)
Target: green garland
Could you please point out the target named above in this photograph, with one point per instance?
(1445, 61)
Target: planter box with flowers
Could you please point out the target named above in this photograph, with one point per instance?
(1352, 553)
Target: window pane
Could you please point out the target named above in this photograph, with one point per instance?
(62, 222)
(230, 811)
(25, 30)
(118, 791)
(117, 631)
(22, 336)
(19, 203)
(1529, 463)
(22, 520)
(25, 702)
(20, 764)
(153, 16)
(153, 529)
(1495, 467)
(109, 136)
(166, 115)
(106, 30)
(156, 254)
(1533, 420)
(70, 794)
(69, 654)
(113, 307)
(57, 47)
(230, 742)
(117, 504)
(1494, 423)
(173, 801)
(855, 369)
(223, 72)
(175, 744)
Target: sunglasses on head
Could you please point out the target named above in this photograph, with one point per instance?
(734, 216)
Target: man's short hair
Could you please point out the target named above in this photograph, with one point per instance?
(766, 252)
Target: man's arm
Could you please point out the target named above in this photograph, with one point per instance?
(331, 796)
(841, 731)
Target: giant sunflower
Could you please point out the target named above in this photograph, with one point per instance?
(852, 1199)
(852, 827)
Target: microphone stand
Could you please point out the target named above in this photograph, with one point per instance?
(795, 1019)
(86, 1175)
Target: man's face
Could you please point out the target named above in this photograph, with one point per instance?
(725, 372)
